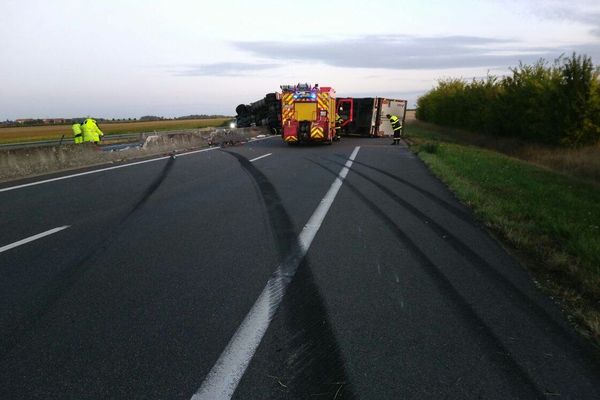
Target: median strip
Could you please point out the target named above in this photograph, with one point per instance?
(60, 178)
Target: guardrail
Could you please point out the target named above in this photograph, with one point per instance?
(65, 140)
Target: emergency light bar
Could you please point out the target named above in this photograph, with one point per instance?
(305, 95)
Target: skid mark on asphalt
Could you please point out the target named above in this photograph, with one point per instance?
(454, 210)
(496, 349)
(511, 292)
(68, 277)
(311, 361)
(151, 189)
(282, 228)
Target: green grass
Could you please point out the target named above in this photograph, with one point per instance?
(582, 163)
(550, 218)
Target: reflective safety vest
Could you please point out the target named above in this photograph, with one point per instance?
(338, 122)
(77, 133)
(91, 132)
(396, 124)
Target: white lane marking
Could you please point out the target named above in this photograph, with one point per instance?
(263, 138)
(223, 378)
(263, 156)
(32, 238)
(189, 153)
(60, 178)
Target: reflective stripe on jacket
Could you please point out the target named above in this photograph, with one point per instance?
(396, 124)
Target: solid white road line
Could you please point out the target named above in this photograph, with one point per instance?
(60, 178)
(263, 156)
(32, 238)
(223, 378)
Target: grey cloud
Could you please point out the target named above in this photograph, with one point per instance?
(573, 11)
(592, 50)
(222, 69)
(588, 18)
(401, 52)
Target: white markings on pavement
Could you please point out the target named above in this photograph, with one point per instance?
(60, 178)
(223, 378)
(32, 238)
(263, 156)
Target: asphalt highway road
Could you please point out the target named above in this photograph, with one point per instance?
(249, 272)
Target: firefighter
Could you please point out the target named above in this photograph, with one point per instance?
(396, 126)
(338, 126)
(91, 132)
(77, 133)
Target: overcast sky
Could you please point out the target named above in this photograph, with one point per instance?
(128, 58)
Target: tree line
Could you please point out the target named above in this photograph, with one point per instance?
(555, 103)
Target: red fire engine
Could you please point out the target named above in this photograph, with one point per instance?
(307, 113)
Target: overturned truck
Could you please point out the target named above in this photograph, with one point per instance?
(367, 116)
(358, 116)
(264, 112)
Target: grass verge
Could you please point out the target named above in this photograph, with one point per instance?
(49, 132)
(581, 163)
(550, 220)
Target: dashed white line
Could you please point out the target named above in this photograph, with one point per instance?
(223, 378)
(263, 156)
(32, 238)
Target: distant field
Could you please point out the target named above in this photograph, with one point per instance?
(32, 133)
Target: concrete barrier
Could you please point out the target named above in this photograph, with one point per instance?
(33, 161)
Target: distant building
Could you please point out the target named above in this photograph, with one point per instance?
(23, 120)
(54, 121)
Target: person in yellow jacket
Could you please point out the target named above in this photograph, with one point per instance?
(91, 132)
(338, 126)
(77, 133)
(396, 126)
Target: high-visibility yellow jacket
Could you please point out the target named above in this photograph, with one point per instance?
(396, 124)
(91, 132)
(77, 134)
(338, 122)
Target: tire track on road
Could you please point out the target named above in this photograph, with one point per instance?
(496, 349)
(454, 210)
(68, 277)
(312, 360)
(515, 295)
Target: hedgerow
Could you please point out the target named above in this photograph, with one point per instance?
(555, 103)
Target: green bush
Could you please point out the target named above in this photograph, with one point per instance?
(556, 103)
